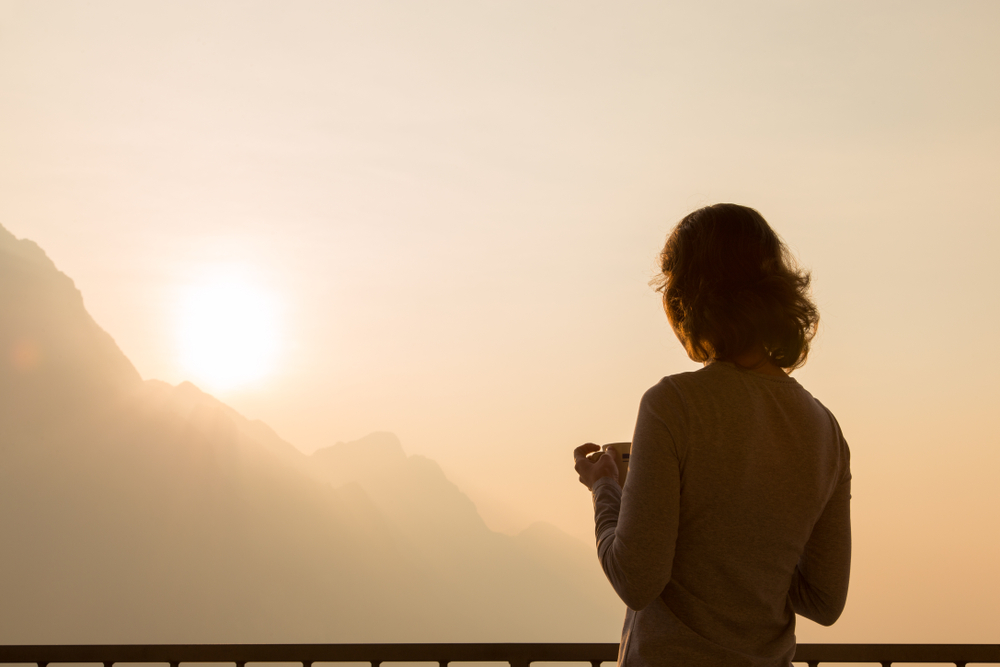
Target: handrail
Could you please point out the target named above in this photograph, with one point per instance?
(886, 654)
(517, 655)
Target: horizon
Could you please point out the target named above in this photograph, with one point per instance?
(440, 220)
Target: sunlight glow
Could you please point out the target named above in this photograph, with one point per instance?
(227, 332)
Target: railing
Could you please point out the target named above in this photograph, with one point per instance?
(517, 655)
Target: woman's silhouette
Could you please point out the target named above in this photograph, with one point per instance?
(735, 514)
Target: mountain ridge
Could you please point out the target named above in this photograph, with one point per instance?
(137, 511)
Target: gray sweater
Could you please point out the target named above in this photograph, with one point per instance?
(735, 516)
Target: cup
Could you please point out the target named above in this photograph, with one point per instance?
(623, 449)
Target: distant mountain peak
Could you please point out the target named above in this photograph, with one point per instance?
(54, 359)
(377, 446)
(24, 249)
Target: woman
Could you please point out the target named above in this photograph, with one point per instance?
(736, 511)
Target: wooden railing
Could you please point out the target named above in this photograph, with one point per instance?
(516, 655)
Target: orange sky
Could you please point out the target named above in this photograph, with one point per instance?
(451, 210)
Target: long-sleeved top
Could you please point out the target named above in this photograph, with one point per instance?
(735, 516)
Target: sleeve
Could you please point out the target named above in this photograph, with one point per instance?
(819, 584)
(637, 526)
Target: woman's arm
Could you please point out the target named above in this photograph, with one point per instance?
(637, 526)
(819, 585)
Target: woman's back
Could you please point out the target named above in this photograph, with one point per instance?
(730, 473)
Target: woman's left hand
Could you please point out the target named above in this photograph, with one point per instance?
(591, 471)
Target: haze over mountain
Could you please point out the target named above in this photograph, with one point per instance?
(137, 511)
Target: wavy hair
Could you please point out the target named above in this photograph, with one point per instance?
(730, 286)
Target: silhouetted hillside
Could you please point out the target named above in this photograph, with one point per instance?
(55, 356)
(137, 511)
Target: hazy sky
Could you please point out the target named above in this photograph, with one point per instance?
(440, 218)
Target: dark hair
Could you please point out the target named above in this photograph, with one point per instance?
(730, 286)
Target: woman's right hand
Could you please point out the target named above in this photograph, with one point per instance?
(591, 471)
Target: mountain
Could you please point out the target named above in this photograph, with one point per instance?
(139, 512)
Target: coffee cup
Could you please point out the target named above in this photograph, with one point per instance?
(623, 449)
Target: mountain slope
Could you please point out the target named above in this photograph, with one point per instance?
(140, 512)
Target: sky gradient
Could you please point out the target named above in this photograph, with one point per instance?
(451, 212)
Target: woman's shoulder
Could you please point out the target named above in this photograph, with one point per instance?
(719, 387)
(669, 387)
(672, 394)
(706, 379)
(683, 400)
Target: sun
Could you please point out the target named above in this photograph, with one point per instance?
(227, 333)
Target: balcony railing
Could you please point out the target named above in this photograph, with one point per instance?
(517, 655)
